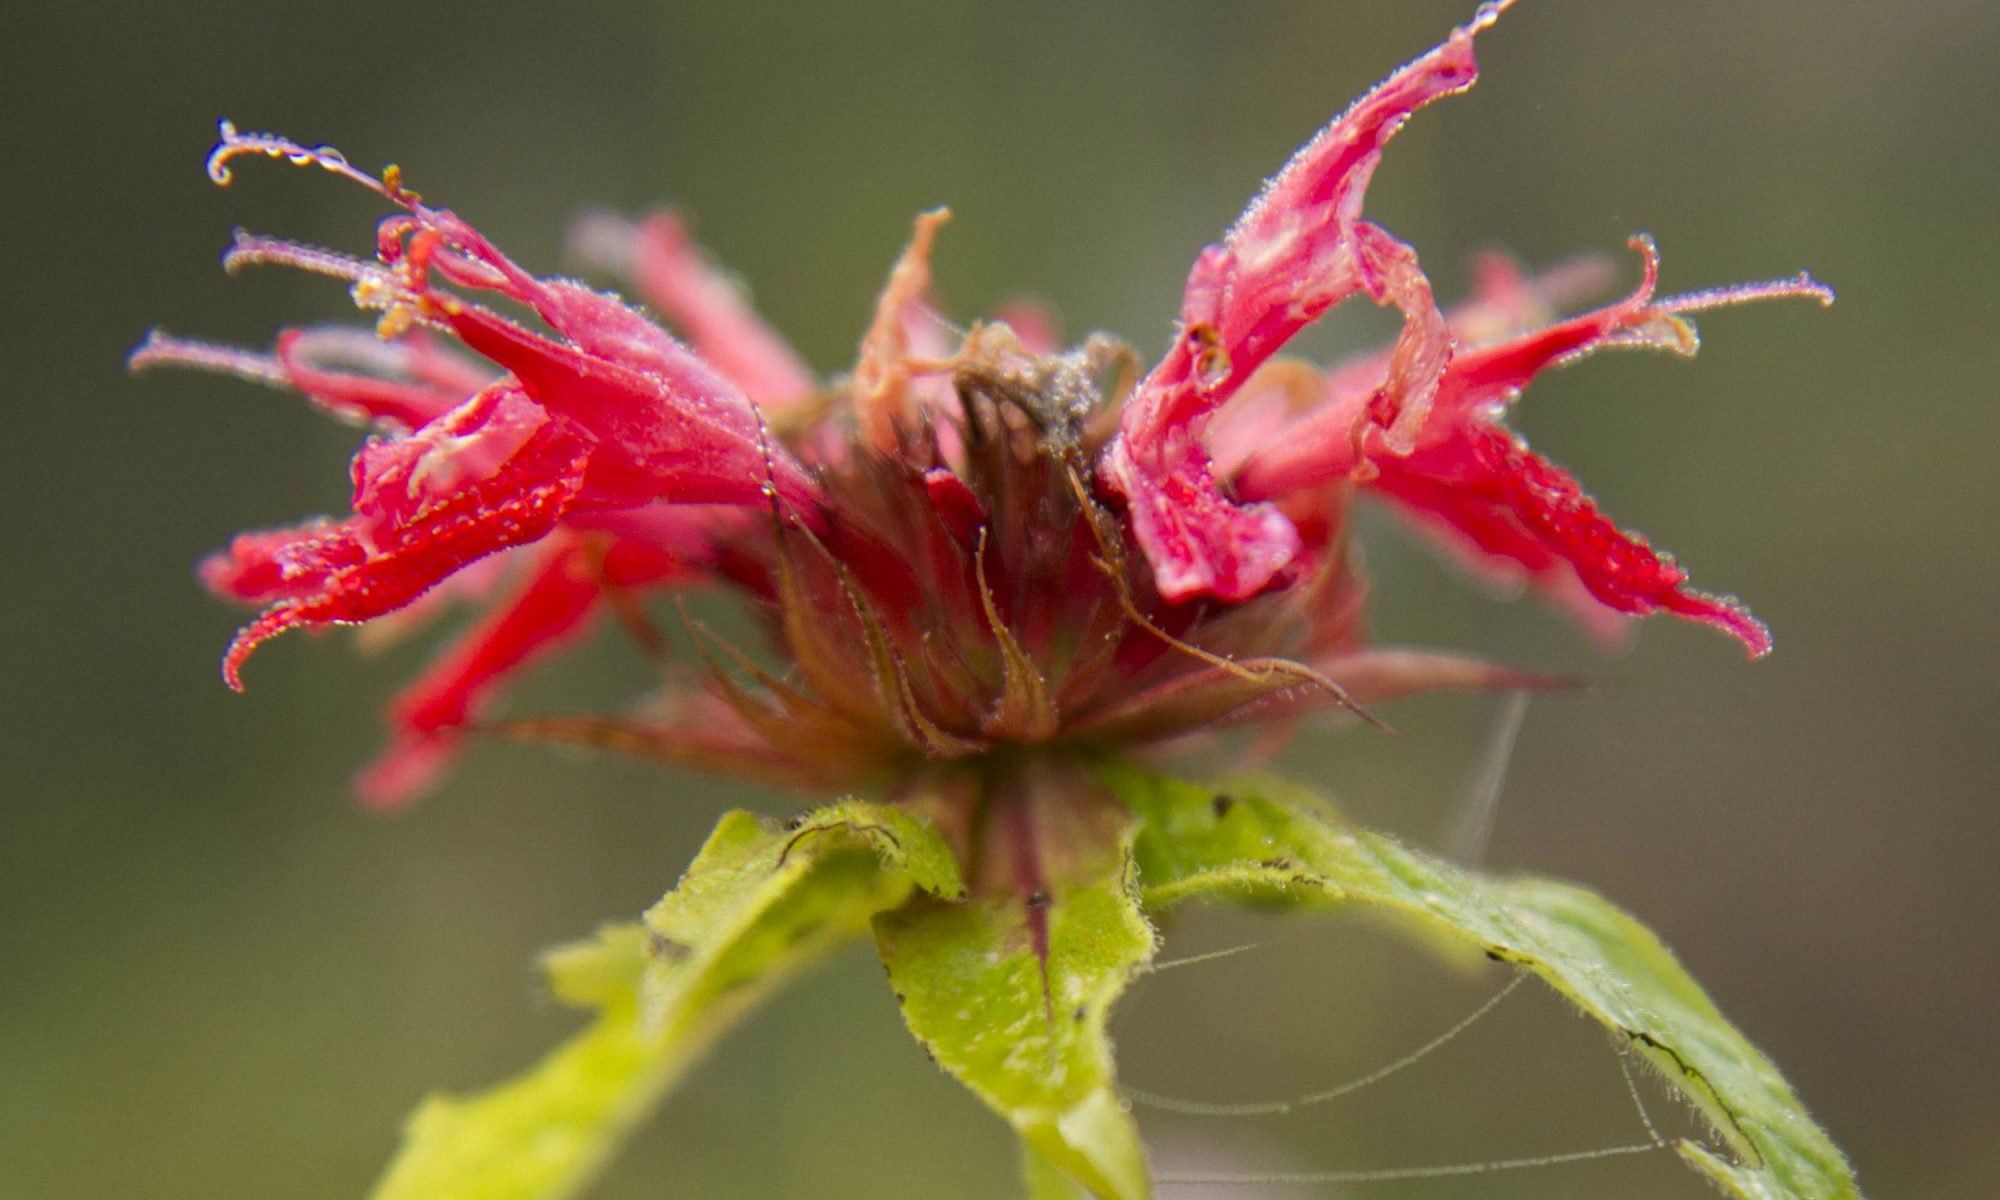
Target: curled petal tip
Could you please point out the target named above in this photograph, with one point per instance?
(1753, 633)
(217, 165)
(1728, 614)
(232, 659)
(1488, 14)
(269, 624)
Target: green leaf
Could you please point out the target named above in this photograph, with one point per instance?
(756, 905)
(1196, 842)
(1045, 1180)
(1027, 1034)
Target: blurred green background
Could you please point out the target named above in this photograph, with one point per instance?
(218, 979)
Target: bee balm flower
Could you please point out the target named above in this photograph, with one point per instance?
(967, 542)
(994, 574)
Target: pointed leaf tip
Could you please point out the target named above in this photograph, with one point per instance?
(1025, 1031)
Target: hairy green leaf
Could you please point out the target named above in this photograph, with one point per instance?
(1027, 1033)
(1196, 842)
(756, 905)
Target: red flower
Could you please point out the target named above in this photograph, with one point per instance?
(972, 541)
(1420, 424)
(1479, 488)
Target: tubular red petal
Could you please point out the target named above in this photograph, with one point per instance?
(366, 397)
(564, 592)
(1345, 435)
(656, 437)
(1299, 249)
(553, 605)
(275, 565)
(657, 407)
(1489, 489)
(674, 276)
(1476, 485)
(668, 426)
(492, 474)
(561, 596)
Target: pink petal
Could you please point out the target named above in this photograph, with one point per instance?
(405, 769)
(1377, 674)
(1035, 323)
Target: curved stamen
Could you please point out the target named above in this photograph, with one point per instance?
(165, 350)
(233, 144)
(256, 250)
(1801, 284)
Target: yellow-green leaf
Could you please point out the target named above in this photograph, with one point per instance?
(1045, 1180)
(1197, 842)
(756, 905)
(1031, 1044)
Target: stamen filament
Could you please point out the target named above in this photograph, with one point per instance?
(165, 350)
(1802, 285)
(233, 144)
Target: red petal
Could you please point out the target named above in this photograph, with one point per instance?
(1487, 487)
(436, 384)
(675, 277)
(1299, 249)
(271, 565)
(551, 606)
(654, 440)
(494, 473)
(551, 609)
(669, 425)
(1477, 487)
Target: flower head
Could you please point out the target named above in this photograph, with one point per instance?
(993, 572)
(975, 539)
